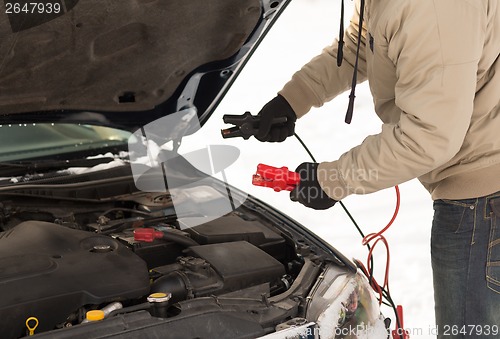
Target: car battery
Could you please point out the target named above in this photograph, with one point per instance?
(157, 253)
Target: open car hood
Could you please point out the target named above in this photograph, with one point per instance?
(123, 64)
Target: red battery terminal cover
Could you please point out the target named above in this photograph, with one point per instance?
(277, 178)
(147, 234)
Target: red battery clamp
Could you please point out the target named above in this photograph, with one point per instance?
(277, 178)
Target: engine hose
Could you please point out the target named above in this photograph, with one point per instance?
(138, 307)
(179, 239)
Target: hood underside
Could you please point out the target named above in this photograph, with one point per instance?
(116, 57)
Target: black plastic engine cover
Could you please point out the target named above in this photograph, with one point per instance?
(216, 269)
(233, 227)
(240, 264)
(48, 271)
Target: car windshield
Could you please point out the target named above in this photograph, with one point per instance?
(25, 142)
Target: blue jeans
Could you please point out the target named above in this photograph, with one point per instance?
(465, 251)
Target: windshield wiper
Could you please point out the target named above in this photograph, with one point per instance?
(15, 168)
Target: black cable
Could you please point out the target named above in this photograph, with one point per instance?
(385, 293)
(343, 207)
(362, 235)
(124, 223)
(179, 239)
(130, 210)
(305, 147)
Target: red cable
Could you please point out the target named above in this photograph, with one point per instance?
(379, 289)
(386, 275)
(373, 283)
(372, 236)
(378, 236)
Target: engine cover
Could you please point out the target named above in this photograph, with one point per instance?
(218, 268)
(48, 271)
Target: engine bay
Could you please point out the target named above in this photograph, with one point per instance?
(60, 259)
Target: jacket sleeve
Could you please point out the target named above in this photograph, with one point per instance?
(320, 80)
(436, 54)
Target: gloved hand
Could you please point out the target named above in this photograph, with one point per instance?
(308, 192)
(276, 108)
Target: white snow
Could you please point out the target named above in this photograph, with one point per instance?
(116, 162)
(100, 167)
(120, 155)
(301, 33)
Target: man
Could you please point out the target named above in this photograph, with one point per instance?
(434, 73)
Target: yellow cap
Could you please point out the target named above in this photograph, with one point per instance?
(159, 297)
(95, 315)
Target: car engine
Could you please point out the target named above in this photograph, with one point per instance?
(49, 271)
(61, 259)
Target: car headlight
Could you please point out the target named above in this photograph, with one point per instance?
(343, 305)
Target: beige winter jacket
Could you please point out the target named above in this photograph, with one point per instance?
(434, 73)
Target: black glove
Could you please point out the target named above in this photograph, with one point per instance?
(276, 108)
(308, 192)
